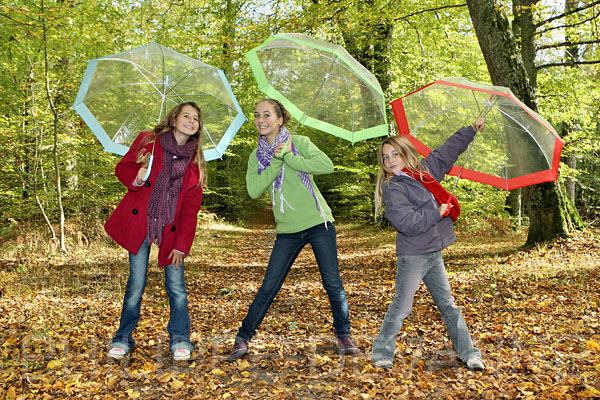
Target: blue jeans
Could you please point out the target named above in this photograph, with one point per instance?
(285, 250)
(428, 268)
(179, 320)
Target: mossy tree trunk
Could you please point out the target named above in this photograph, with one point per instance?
(510, 63)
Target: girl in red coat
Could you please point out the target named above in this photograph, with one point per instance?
(161, 209)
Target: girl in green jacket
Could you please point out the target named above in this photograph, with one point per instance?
(284, 166)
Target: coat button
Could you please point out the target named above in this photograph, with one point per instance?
(147, 184)
(134, 211)
(173, 228)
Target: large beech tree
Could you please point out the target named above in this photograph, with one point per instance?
(511, 63)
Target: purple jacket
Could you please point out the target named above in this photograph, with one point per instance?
(411, 208)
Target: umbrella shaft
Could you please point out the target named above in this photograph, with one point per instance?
(315, 95)
(487, 108)
(465, 161)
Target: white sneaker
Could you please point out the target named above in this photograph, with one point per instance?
(181, 354)
(384, 363)
(117, 353)
(474, 363)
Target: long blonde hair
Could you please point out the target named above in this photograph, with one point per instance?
(168, 124)
(410, 157)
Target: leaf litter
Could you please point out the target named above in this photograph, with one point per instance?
(533, 314)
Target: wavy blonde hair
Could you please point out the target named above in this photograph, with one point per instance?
(410, 157)
(168, 124)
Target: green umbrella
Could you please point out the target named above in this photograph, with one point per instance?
(321, 85)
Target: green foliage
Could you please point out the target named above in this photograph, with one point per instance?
(482, 206)
(226, 194)
(405, 46)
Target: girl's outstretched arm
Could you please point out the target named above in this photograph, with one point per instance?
(440, 160)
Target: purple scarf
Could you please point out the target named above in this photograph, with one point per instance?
(163, 200)
(264, 154)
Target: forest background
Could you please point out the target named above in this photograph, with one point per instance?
(54, 170)
(533, 313)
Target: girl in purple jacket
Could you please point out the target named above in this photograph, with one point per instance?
(422, 212)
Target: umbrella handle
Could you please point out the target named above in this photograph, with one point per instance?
(149, 168)
(284, 147)
(448, 203)
(447, 212)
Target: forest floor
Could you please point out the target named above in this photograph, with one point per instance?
(533, 314)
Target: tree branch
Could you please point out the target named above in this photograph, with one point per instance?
(428, 10)
(573, 11)
(563, 64)
(16, 21)
(592, 18)
(564, 44)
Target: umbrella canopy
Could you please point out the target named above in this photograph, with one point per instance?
(517, 148)
(321, 85)
(125, 93)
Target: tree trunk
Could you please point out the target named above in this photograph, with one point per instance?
(36, 163)
(55, 125)
(571, 184)
(221, 179)
(514, 205)
(571, 55)
(543, 203)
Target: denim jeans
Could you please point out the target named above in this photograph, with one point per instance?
(428, 268)
(285, 250)
(179, 320)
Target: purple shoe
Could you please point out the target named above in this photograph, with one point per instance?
(346, 346)
(240, 349)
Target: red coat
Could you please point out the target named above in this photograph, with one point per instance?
(128, 224)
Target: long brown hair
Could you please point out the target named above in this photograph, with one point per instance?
(168, 124)
(410, 157)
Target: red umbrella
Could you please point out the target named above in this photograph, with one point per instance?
(517, 148)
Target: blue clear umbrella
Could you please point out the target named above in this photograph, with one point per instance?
(132, 91)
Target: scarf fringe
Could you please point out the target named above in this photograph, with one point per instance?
(325, 219)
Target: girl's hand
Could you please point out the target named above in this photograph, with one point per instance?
(479, 124)
(280, 146)
(444, 209)
(177, 259)
(139, 179)
(143, 159)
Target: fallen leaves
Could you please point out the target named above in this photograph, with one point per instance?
(534, 315)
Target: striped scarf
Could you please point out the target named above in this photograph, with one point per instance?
(264, 154)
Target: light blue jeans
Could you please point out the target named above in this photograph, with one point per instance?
(179, 319)
(428, 268)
